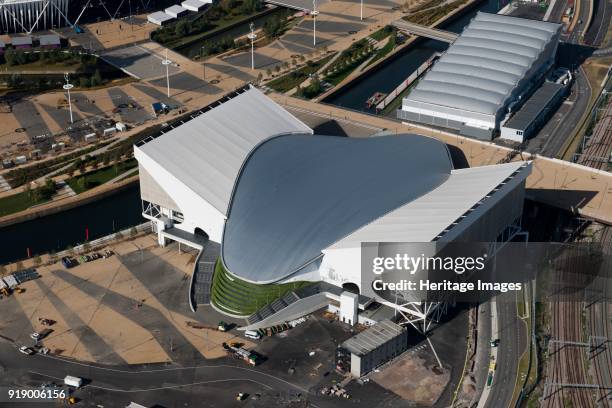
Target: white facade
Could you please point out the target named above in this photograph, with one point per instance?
(348, 307)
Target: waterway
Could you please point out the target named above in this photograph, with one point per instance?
(194, 49)
(123, 210)
(390, 75)
(58, 231)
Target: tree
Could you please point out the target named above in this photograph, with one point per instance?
(9, 57)
(133, 232)
(259, 77)
(84, 82)
(268, 72)
(70, 250)
(277, 68)
(18, 266)
(119, 236)
(2, 270)
(37, 260)
(182, 28)
(96, 79)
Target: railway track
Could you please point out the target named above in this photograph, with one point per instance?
(599, 311)
(567, 349)
(596, 152)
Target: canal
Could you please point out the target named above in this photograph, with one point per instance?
(193, 49)
(57, 231)
(123, 210)
(390, 75)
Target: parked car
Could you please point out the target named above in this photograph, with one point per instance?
(26, 350)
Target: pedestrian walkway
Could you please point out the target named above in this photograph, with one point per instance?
(63, 191)
(4, 186)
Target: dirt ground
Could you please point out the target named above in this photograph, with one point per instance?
(413, 378)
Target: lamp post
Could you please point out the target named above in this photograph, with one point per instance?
(361, 11)
(67, 87)
(252, 36)
(314, 14)
(203, 63)
(167, 62)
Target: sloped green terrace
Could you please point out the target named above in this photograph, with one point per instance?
(238, 297)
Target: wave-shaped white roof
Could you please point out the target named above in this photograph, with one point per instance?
(482, 68)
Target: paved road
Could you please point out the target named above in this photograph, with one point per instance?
(114, 384)
(512, 343)
(552, 137)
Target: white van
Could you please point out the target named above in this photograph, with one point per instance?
(71, 381)
(252, 334)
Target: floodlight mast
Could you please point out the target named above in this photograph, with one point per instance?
(167, 62)
(67, 87)
(252, 36)
(314, 14)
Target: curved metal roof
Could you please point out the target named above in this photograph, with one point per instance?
(524, 40)
(506, 57)
(494, 52)
(486, 62)
(483, 73)
(513, 29)
(470, 80)
(461, 89)
(552, 28)
(472, 104)
(298, 194)
(485, 43)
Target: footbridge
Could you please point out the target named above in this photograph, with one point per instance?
(422, 31)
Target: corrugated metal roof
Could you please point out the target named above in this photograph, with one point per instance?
(425, 218)
(175, 9)
(207, 152)
(160, 16)
(373, 337)
(494, 48)
(534, 105)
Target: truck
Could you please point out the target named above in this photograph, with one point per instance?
(72, 381)
(252, 334)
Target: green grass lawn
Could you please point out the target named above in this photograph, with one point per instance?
(239, 297)
(293, 79)
(98, 177)
(381, 53)
(382, 33)
(19, 202)
(342, 70)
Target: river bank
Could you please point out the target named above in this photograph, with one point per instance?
(389, 75)
(54, 207)
(397, 52)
